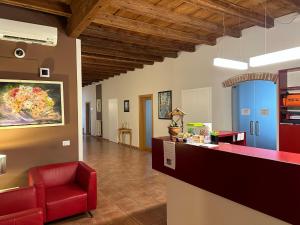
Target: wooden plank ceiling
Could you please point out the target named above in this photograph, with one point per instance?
(124, 35)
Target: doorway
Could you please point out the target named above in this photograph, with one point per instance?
(146, 122)
(254, 107)
(113, 120)
(88, 118)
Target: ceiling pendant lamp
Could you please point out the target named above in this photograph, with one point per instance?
(275, 57)
(230, 64)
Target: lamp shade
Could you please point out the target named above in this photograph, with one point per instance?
(2, 164)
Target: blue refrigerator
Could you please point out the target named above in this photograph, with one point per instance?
(254, 106)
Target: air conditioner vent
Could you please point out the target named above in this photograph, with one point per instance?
(26, 32)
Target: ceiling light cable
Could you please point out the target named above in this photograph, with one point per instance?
(266, 26)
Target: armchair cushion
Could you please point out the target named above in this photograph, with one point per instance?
(58, 174)
(64, 201)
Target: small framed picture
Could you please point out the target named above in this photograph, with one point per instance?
(164, 104)
(126, 105)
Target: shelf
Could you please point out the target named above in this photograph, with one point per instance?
(284, 111)
(291, 107)
(290, 88)
(290, 121)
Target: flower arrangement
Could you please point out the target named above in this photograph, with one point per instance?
(31, 101)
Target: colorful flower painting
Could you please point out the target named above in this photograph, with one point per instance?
(31, 103)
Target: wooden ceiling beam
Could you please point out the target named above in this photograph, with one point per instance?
(83, 12)
(97, 74)
(293, 3)
(116, 59)
(95, 70)
(229, 8)
(102, 70)
(134, 38)
(108, 66)
(115, 45)
(121, 54)
(106, 19)
(94, 78)
(161, 13)
(111, 63)
(46, 6)
(91, 75)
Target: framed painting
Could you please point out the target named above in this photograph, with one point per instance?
(28, 103)
(126, 105)
(164, 104)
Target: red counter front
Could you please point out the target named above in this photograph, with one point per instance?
(264, 180)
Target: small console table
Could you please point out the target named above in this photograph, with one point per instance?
(122, 132)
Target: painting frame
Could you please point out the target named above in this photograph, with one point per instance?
(126, 106)
(34, 82)
(164, 108)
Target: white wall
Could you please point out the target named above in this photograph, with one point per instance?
(195, 70)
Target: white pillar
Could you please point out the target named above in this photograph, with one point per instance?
(79, 99)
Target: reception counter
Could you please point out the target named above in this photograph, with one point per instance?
(239, 184)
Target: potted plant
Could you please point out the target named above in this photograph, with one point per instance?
(214, 135)
(174, 129)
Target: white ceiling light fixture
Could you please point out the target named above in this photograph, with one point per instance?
(230, 64)
(275, 57)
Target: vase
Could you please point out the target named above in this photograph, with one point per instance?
(174, 131)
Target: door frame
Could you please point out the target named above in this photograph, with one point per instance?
(142, 123)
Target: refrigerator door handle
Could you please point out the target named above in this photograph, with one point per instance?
(251, 127)
(257, 128)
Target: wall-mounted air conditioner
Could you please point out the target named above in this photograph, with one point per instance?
(11, 30)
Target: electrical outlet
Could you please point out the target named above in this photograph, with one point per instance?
(66, 143)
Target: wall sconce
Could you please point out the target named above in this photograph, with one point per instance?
(2, 164)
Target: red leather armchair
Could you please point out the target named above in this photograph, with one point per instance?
(20, 207)
(65, 189)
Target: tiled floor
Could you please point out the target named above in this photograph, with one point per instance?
(129, 191)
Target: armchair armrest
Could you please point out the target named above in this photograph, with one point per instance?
(87, 179)
(35, 179)
(31, 216)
